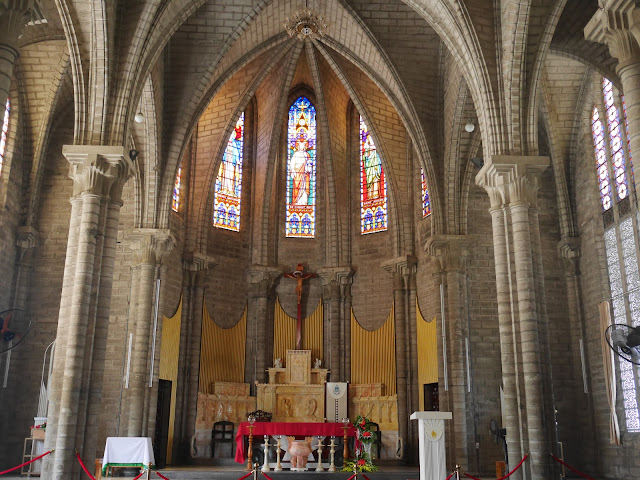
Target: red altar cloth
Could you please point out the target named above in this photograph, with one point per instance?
(287, 428)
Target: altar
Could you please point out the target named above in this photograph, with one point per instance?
(296, 392)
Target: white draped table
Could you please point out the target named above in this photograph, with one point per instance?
(432, 447)
(127, 452)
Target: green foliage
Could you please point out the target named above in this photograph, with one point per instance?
(365, 437)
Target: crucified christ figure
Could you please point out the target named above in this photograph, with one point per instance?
(299, 276)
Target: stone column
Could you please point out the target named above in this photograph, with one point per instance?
(334, 319)
(259, 349)
(512, 184)
(14, 15)
(195, 268)
(149, 247)
(26, 241)
(617, 25)
(98, 174)
(402, 269)
(451, 253)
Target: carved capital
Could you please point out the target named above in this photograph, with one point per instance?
(196, 262)
(569, 250)
(512, 179)
(261, 280)
(332, 280)
(450, 251)
(14, 15)
(150, 245)
(27, 238)
(405, 265)
(616, 25)
(99, 170)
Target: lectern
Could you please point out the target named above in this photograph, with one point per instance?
(432, 446)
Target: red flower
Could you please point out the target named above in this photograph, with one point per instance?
(366, 434)
(363, 423)
(361, 462)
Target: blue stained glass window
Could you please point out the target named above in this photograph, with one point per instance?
(373, 185)
(426, 203)
(175, 204)
(228, 186)
(5, 132)
(301, 170)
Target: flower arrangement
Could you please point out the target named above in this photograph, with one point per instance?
(365, 438)
(42, 425)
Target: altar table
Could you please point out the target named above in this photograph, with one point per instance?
(310, 429)
(127, 452)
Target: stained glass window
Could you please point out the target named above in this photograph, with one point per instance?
(373, 186)
(615, 140)
(301, 170)
(426, 203)
(5, 132)
(175, 204)
(626, 129)
(601, 159)
(228, 186)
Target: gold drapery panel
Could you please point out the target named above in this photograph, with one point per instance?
(222, 351)
(373, 354)
(427, 352)
(169, 351)
(284, 333)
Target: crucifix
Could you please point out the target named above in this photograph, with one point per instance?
(299, 276)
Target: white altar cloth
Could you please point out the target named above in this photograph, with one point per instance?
(127, 452)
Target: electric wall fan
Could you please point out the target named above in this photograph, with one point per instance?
(624, 341)
(14, 328)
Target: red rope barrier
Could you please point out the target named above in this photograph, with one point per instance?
(267, 476)
(84, 467)
(365, 477)
(352, 477)
(583, 475)
(161, 476)
(449, 477)
(507, 475)
(242, 478)
(26, 463)
(139, 475)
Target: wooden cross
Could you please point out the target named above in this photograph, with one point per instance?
(299, 276)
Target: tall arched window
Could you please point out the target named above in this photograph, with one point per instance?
(5, 132)
(175, 204)
(621, 232)
(228, 186)
(301, 170)
(426, 203)
(373, 185)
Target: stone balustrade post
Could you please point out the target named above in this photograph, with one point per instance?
(149, 246)
(451, 253)
(617, 25)
(99, 174)
(512, 184)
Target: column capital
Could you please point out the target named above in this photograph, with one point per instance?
(261, 279)
(99, 170)
(14, 15)
(450, 251)
(150, 245)
(569, 250)
(341, 275)
(196, 262)
(26, 238)
(512, 179)
(404, 265)
(617, 25)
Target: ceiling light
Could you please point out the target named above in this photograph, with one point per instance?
(469, 127)
(139, 118)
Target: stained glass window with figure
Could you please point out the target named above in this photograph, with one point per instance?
(373, 185)
(228, 186)
(426, 203)
(301, 170)
(175, 204)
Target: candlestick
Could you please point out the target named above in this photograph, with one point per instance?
(319, 468)
(265, 466)
(332, 465)
(278, 466)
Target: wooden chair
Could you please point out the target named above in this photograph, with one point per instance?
(222, 432)
(378, 441)
(261, 416)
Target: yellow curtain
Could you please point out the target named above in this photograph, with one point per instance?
(222, 353)
(427, 353)
(169, 350)
(373, 354)
(284, 333)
